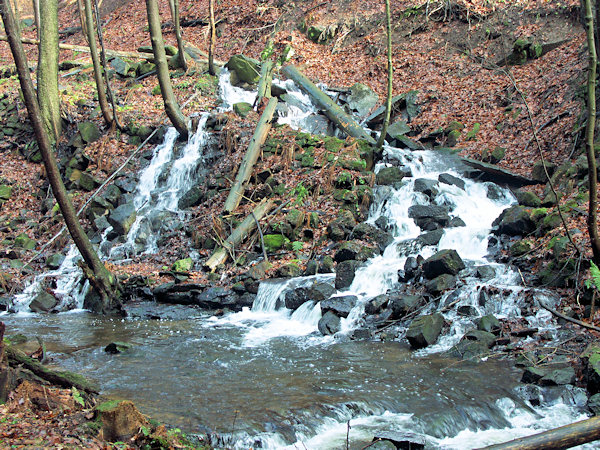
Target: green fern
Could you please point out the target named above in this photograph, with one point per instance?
(595, 271)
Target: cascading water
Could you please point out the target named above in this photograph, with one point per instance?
(264, 377)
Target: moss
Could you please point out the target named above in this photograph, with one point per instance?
(156, 90)
(333, 144)
(108, 405)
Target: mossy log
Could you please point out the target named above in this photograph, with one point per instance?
(264, 85)
(59, 378)
(564, 437)
(239, 234)
(252, 154)
(335, 113)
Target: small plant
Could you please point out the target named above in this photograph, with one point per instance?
(77, 396)
(300, 192)
(297, 246)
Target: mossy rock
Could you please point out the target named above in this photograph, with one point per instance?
(242, 109)
(120, 420)
(317, 34)
(274, 242)
(182, 265)
(307, 161)
(520, 248)
(170, 50)
(88, 131)
(24, 241)
(246, 69)
(333, 144)
(295, 218)
(472, 135)
(454, 126)
(453, 137)
(156, 90)
(5, 192)
(354, 164)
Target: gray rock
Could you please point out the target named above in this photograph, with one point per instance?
(44, 301)
(362, 99)
(528, 198)
(489, 323)
(376, 304)
(112, 194)
(430, 238)
(429, 217)
(54, 261)
(401, 439)
(446, 178)
(193, 197)
(389, 175)
(404, 304)
(341, 306)
(398, 129)
(514, 221)
(329, 323)
(246, 69)
(122, 218)
(427, 187)
(425, 330)
(485, 272)
(539, 175)
(443, 262)
(440, 284)
(456, 222)
(320, 291)
(89, 132)
(294, 299)
(594, 404)
(242, 108)
(344, 274)
(347, 251)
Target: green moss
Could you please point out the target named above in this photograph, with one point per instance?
(156, 90)
(108, 405)
(472, 135)
(333, 144)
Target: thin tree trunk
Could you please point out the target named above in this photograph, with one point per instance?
(239, 234)
(36, 16)
(330, 108)
(258, 138)
(47, 73)
(89, 22)
(174, 5)
(83, 20)
(589, 136)
(109, 91)
(105, 284)
(212, 39)
(388, 101)
(177, 118)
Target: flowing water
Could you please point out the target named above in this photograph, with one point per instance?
(265, 377)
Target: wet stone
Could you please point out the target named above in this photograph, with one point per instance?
(329, 323)
(341, 306)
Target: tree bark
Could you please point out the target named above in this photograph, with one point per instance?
(83, 20)
(239, 234)
(47, 73)
(330, 108)
(36, 16)
(174, 5)
(264, 85)
(250, 158)
(564, 437)
(104, 283)
(89, 28)
(212, 38)
(175, 115)
(388, 100)
(589, 136)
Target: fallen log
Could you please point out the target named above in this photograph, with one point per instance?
(83, 48)
(63, 379)
(264, 85)
(250, 158)
(239, 234)
(564, 437)
(497, 174)
(331, 109)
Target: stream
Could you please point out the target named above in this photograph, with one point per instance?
(265, 377)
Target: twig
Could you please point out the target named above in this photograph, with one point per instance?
(567, 318)
(262, 239)
(550, 122)
(348, 436)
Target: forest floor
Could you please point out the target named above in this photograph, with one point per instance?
(451, 52)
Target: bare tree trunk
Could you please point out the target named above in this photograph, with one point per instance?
(36, 16)
(589, 136)
(213, 37)
(388, 101)
(83, 20)
(47, 73)
(177, 118)
(109, 91)
(89, 22)
(174, 5)
(104, 283)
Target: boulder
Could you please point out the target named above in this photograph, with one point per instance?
(294, 299)
(5, 192)
(404, 304)
(348, 250)
(273, 242)
(320, 291)
(120, 420)
(528, 198)
(344, 274)
(489, 323)
(44, 301)
(389, 175)
(288, 271)
(548, 375)
(112, 194)
(593, 404)
(87, 181)
(425, 330)
(400, 440)
(121, 66)
(246, 69)
(24, 241)
(191, 198)
(429, 217)
(54, 261)
(411, 268)
(538, 174)
(427, 187)
(446, 178)
(182, 265)
(122, 218)
(430, 238)
(398, 129)
(376, 304)
(329, 323)
(242, 108)
(440, 284)
(443, 262)
(514, 221)
(88, 131)
(362, 99)
(117, 347)
(341, 306)
(369, 232)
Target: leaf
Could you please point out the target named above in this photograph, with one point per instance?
(77, 396)
(595, 271)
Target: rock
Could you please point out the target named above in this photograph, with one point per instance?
(446, 178)
(320, 291)
(430, 238)
(54, 261)
(528, 198)
(121, 67)
(548, 376)
(215, 298)
(295, 218)
(362, 99)
(246, 69)
(520, 248)
(242, 109)
(591, 368)
(376, 304)
(5, 192)
(594, 404)
(112, 194)
(400, 440)
(489, 323)
(404, 304)
(329, 323)
(344, 274)
(273, 242)
(342, 226)
(23, 241)
(514, 221)
(487, 338)
(425, 330)
(120, 420)
(87, 182)
(440, 284)
(411, 268)
(122, 218)
(117, 347)
(44, 301)
(288, 271)
(496, 174)
(398, 129)
(369, 232)
(485, 272)
(318, 34)
(443, 262)
(539, 175)
(348, 250)
(294, 299)
(88, 131)
(326, 265)
(389, 175)
(191, 198)
(456, 222)
(341, 306)
(182, 265)
(429, 217)
(427, 187)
